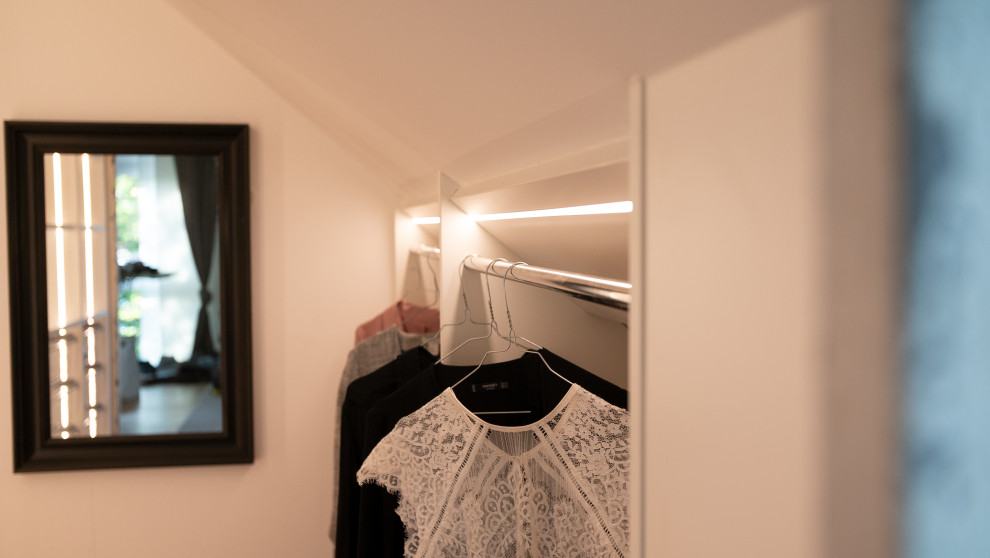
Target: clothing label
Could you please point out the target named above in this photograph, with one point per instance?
(489, 386)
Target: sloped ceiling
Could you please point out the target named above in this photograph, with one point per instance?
(413, 86)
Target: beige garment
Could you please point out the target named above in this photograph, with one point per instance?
(408, 317)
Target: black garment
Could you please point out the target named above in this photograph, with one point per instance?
(361, 395)
(379, 531)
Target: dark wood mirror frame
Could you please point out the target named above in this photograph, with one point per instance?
(34, 448)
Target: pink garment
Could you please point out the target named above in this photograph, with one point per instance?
(408, 317)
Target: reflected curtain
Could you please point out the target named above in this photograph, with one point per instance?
(198, 182)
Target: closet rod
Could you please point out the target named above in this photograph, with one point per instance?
(608, 292)
(425, 250)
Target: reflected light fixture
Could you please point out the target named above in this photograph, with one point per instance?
(59, 240)
(92, 423)
(63, 393)
(595, 209)
(88, 235)
(426, 220)
(90, 292)
(63, 349)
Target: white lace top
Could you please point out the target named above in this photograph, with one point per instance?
(557, 487)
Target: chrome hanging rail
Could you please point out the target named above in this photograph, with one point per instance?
(424, 250)
(608, 292)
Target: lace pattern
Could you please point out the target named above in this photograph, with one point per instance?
(559, 487)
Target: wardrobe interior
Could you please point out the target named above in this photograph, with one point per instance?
(758, 148)
(504, 179)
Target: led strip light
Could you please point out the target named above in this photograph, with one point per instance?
(593, 209)
(63, 344)
(90, 294)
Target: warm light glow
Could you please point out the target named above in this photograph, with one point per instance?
(59, 238)
(65, 435)
(63, 397)
(91, 346)
(87, 202)
(88, 235)
(91, 376)
(596, 209)
(90, 291)
(92, 423)
(60, 274)
(608, 282)
(63, 359)
(57, 179)
(426, 220)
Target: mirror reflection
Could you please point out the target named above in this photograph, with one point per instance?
(133, 300)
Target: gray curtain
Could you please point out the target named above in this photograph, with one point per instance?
(198, 184)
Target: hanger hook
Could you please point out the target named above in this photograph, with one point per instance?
(436, 280)
(460, 275)
(505, 292)
(489, 271)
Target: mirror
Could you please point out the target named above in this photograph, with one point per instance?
(130, 294)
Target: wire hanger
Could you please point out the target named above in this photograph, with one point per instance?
(512, 330)
(514, 336)
(467, 311)
(512, 339)
(492, 325)
(436, 291)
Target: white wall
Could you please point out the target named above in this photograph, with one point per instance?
(771, 278)
(732, 364)
(321, 227)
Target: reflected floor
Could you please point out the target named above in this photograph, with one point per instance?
(173, 409)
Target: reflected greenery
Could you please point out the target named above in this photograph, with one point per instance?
(128, 298)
